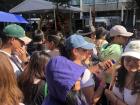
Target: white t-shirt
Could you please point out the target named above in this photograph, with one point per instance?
(87, 79)
(126, 95)
(21, 104)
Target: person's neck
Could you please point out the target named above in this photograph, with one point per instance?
(114, 42)
(78, 62)
(8, 50)
(55, 49)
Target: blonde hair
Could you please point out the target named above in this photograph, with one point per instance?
(10, 94)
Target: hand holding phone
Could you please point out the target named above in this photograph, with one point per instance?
(106, 64)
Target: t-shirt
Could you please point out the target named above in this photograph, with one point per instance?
(87, 79)
(126, 95)
(37, 94)
(112, 51)
(109, 52)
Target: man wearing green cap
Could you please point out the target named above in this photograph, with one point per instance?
(13, 42)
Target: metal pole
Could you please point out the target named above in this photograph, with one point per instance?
(134, 17)
(122, 13)
(91, 21)
(55, 19)
(81, 7)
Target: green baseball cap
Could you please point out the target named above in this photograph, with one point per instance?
(14, 30)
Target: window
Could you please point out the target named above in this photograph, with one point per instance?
(88, 1)
(112, 0)
(75, 2)
(101, 1)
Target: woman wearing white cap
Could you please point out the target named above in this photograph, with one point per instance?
(127, 86)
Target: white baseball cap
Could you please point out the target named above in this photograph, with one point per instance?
(132, 49)
(119, 30)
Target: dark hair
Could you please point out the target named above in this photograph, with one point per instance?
(35, 69)
(63, 50)
(38, 36)
(121, 77)
(101, 32)
(32, 47)
(4, 38)
(55, 39)
(109, 39)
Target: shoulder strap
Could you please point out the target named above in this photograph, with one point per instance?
(106, 46)
(14, 61)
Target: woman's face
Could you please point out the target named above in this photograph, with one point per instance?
(131, 63)
(81, 54)
(85, 55)
(49, 45)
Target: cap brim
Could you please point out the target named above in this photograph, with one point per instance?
(88, 46)
(128, 34)
(25, 39)
(132, 54)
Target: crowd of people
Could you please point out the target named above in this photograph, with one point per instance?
(85, 68)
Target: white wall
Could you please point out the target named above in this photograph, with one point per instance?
(125, 0)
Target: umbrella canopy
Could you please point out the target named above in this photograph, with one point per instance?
(70, 8)
(40, 6)
(8, 17)
(33, 6)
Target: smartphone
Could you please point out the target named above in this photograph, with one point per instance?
(113, 61)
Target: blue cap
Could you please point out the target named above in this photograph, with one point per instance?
(78, 41)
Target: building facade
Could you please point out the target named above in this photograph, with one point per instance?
(118, 11)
